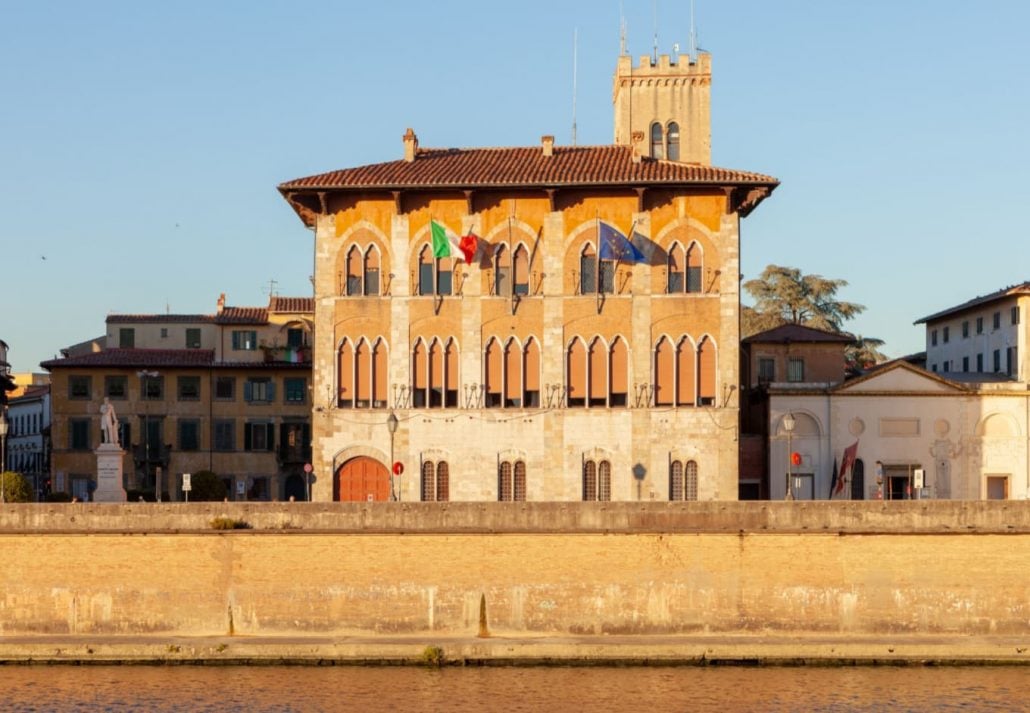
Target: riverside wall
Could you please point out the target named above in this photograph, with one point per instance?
(849, 570)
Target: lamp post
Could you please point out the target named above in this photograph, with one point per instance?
(143, 375)
(3, 455)
(788, 426)
(391, 426)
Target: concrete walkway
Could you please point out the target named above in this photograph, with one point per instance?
(499, 650)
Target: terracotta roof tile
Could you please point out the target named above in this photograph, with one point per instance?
(137, 358)
(798, 333)
(525, 166)
(1020, 289)
(242, 315)
(295, 305)
(160, 318)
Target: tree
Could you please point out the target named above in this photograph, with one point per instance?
(864, 352)
(783, 295)
(207, 487)
(16, 488)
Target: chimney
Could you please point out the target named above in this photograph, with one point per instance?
(221, 302)
(548, 144)
(410, 145)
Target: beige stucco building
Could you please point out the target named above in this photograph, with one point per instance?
(554, 362)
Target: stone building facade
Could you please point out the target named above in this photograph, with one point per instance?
(555, 362)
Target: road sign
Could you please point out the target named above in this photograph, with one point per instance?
(186, 484)
(308, 468)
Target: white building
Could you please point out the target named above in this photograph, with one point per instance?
(28, 438)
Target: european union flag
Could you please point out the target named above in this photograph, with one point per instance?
(615, 246)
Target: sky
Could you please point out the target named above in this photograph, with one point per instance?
(141, 143)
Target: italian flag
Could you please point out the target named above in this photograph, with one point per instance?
(446, 246)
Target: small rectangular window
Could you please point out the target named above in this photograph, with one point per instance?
(189, 388)
(795, 369)
(694, 279)
(192, 338)
(224, 435)
(371, 281)
(766, 370)
(257, 390)
(244, 340)
(153, 388)
(979, 363)
(947, 333)
(997, 360)
(116, 387)
(588, 275)
(225, 388)
(294, 337)
(164, 332)
(607, 285)
(933, 338)
(1010, 354)
(1015, 315)
(946, 366)
(80, 387)
(965, 363)
(965, 329)
(79, 432)
(444, 278)
(126, 338)
(295, 388)
(425, 278)
(258, 437)
(979, 325)
(189, 434)
(933, 368)
(997, 320)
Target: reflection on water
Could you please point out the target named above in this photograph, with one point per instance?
(278, 688)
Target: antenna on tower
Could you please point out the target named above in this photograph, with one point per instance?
(693, 35)
(575, 47)
(622, 30)
(654, 55)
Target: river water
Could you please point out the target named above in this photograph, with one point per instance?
(507, 690)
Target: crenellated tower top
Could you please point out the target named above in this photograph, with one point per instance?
(662, 109)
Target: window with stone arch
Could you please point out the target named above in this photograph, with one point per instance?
(597, 480)
(676, 269)
(686, 373)
(682, 481)
(352, 283)
(695, 263)
(675, 372)
(618, 371)
(435, 275)
(588, 269)
(511, 373)
(502, 271)
(597, 366)
(531, 374)
(521, 269)
(434, 376)
(361, 374)
(435, 481)
(673, 138)
(576, 374)
(657, 141)
(493, 374)
(372, 266)
(707, 363)
(511, 481)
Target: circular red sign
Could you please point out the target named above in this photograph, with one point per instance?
(398, 468)
(308, 468)
(795, 458)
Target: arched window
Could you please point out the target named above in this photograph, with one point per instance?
(686, 374)
(511, 481)
(354, 271)
(604, 480)
(587, 270)
(531, 375)
(451, 375)
(425, 271)
(519, 486)
(690, 481)
(521, 270)
(657, 141)
(674, 141)
(363, 375)
(618, 366)
(502, 271)
(694, 262)
(576, 374)
(706, 364)
(494, 375)
(512, 375)
(664, 373)
(372, 271)
(676, 265)
(598, 373)
(420, 376)
(589, 480)
(436, 382)
(345, 375)
(676, 480)
(504, 481)
(380, 370)
(435, 481)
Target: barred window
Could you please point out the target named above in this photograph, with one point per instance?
(504, 482)
(690, 484)
(795, 369)
(428, 482)
(597, 480)
(676, 480)
(511, 481)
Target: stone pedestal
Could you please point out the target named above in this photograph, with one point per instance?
(110, 488)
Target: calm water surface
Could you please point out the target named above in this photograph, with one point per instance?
(272, 688)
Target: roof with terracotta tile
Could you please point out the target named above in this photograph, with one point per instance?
(1013, 290)
(163, 358)
(242, 315)
(160, 318)
(526, 166)
(798, 333)
(293, 305)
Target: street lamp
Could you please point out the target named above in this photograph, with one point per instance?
(391, 426)
(3, 455)
(143, 375)
(788, 426)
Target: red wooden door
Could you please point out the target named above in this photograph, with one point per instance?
(362, 479)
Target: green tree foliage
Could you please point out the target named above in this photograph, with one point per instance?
(783, 295)
(16, 488)
(864, 352)
(207, 487)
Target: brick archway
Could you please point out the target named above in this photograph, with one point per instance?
(361, 479)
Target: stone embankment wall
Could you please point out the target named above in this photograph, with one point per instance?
(547, 569)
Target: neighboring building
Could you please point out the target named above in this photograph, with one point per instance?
(28, 436)
(986, 335)
(6, 386)
(25, 380)
(227, 392)
(545, 369)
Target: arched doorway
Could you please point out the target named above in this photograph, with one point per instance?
(361, 479)
(295, 488)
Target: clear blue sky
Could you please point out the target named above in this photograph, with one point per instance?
(141, 142)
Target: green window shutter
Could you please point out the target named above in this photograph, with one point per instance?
(248, 391)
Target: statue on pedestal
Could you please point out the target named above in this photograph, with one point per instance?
(108, 423)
